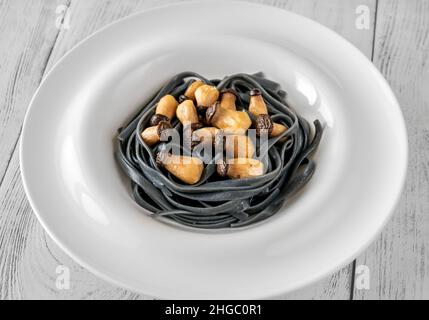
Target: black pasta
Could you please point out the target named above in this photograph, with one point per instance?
(213, 203)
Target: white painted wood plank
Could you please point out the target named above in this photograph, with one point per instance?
(28, 31)
(399, 260)
(29, 257)
(334, 287)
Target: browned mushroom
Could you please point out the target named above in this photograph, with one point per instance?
(186, 169)
(278, 129)
(206, 95)
(238, 146)
(152, 135)
(240, 168)
(165, 110)
(206, 134)
(231, 122)
(188, 116)
(187, 113)
(228, 98)
(263, 122)
(190, 91)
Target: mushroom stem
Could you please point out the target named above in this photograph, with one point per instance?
(259, 110)
(278, 129)
(186, 169)
(240, 168)
(228, 99)
(257, 104)
(206, 95)
(231, 122)
(206, 134)
(152, 135)
(165, 110)
(187, 113)
(239, 146)
(190, 91)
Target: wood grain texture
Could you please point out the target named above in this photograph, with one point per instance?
(28, 33)
(398, 260)
(28, 258)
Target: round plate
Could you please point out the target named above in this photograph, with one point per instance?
(82, 199)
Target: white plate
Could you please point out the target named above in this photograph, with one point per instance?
(83, 201)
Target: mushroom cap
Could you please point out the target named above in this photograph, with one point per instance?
(163, 125)
(161, 156)
(255, 92)
(264, 123)
(157, 118)
(183, 98)
(229, 90)
(222, 168)
(196, 126)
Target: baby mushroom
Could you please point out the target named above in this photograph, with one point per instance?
(231, 122)
(240, 168)
(278, 129)
(206, 95)
(152, 135)
(188, 116)
(228, 98)
(206, 134)
(238, 146)
(186, 169)
(190, 91)
(257, 104)
(259, 110)
(165, 110)
(187, 113)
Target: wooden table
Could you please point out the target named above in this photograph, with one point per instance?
(35, 34)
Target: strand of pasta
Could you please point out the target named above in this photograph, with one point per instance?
(211, 203)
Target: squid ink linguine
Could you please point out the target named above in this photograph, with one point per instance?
(219, 189)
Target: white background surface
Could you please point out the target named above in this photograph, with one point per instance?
(31, 43)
